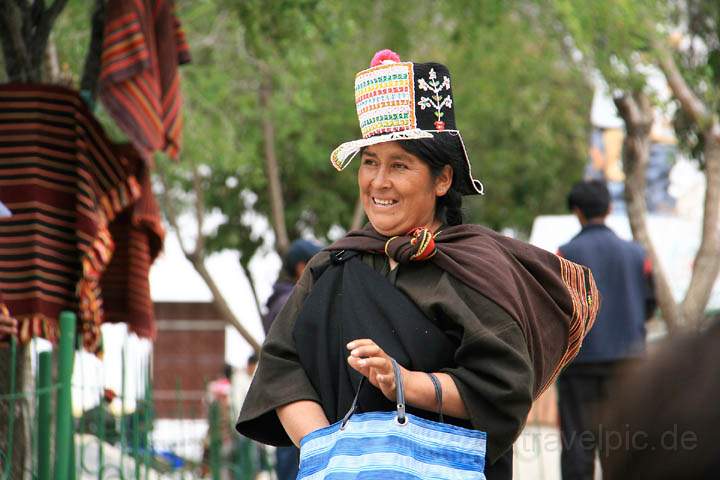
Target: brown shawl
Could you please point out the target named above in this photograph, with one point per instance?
(553, 300)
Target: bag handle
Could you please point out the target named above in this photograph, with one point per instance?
(400, 397)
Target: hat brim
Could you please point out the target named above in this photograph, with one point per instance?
(343, 155)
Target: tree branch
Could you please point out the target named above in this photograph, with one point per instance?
(689, 102)
(707, 260)
(272, 170)
(198, 262)
(38, 43)
(199, 213)
(52, 65)
(246, 270)
(636, 111)
(222, 305)
(91, 69)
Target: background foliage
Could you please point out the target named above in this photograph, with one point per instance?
(522, 103)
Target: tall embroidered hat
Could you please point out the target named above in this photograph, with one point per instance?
(403, 101)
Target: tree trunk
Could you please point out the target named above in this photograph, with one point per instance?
(91, 69)
(42, 21)
(24, 31)
(272, 170)
(197, 257)
(636, 111)
(258, 305)
(52, 64)
(221, 304)
(21, 413)
(17, 57)
(707, 261)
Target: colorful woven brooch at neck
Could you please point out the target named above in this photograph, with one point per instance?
(417, 245)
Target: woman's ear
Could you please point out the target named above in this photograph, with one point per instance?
(444, 181)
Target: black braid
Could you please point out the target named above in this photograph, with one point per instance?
(438, 152)
(449, 207)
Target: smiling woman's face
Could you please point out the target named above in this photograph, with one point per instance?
(398, 190)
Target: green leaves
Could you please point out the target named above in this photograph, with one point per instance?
(522, 105)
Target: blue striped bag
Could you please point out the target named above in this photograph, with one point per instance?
(393, 445)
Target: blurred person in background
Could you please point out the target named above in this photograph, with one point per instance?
(240, 457)
(298, 255)
(664, 419)
(218, 395)
(623, 274)
(240, 383)
(296, 258)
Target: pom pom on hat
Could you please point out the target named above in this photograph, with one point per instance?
(384, 56)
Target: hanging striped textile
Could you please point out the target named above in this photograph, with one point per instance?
(138, 235)
(139, 81)
(63, 183)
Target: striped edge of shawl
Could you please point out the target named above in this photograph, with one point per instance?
(96, 258)
(34, 325)
(585, 297)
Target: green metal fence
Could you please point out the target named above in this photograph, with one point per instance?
(101, 445)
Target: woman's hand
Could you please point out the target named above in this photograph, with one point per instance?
(374, 364)
(8, 327)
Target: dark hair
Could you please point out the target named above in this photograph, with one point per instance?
(591, 197)
(227, 370)
(437, 152)
(253, 358)
(299, 251)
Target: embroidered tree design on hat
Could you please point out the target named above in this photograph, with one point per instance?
(436, 101)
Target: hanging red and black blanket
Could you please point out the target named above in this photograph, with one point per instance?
(139, 81)
(64, 184)
(138, 235)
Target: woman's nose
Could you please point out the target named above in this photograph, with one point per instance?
(381, 178)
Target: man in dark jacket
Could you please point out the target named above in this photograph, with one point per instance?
(623, 274)
(298, 255)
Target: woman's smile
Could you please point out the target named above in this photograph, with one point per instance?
(384, 203)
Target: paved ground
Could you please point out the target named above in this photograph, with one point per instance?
(537, 455)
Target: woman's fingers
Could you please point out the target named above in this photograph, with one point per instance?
(8, 325)
(367, 351)
(359, 342)
(380, 363)
(365, 365)
(354, 362)
(372, 362)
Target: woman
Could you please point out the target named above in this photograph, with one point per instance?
(494, 318)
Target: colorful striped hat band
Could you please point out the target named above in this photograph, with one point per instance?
(404, 101)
